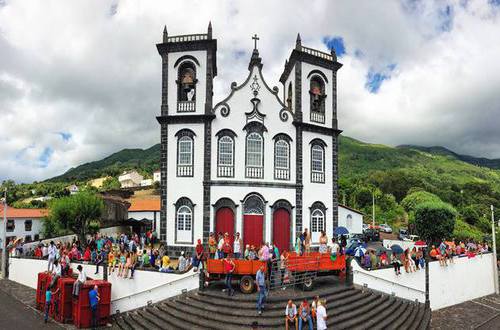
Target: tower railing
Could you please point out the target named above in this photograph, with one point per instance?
(317, 53)
(188, 37)
(186, 106)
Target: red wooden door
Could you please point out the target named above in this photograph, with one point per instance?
(224, 222)
(253, 228)
(281, 229)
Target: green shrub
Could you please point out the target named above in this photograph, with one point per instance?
(463, 231)
(435, 220)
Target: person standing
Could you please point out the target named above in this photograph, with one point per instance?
(229, 267)
(321, 316)
(260, 280)
(82, 277)
(51, 252)
(48, 298)
(94, 302)
(307, 241)
(237, 245)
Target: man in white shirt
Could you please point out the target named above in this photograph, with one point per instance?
(321, 316)
(51, 255)
(56, 273)
(237, 245)
(82, 277)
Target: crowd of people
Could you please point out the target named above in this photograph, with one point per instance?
(306, 314)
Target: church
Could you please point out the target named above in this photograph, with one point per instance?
(262, 162)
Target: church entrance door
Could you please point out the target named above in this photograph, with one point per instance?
(253, 229)
(224, 221)
(281, 229)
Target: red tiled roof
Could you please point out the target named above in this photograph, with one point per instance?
(152, 204)
(23, 213)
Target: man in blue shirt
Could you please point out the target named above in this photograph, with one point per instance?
(94, 302)
(260, 280)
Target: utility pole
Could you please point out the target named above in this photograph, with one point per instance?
(495, 267)
(4, 234)
(373, 208)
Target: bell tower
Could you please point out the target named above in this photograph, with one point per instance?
(189, 66)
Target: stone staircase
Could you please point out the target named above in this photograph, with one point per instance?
(347, 308)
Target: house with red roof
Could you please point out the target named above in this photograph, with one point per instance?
(23, 223)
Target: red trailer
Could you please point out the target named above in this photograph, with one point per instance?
(307, 267)
(81, 306)
(63, 301)
(44, 279)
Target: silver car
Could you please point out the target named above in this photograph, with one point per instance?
(385, 228)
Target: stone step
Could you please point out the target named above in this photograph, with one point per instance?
(172, 321)
(419, 315)
(336, 298)
(348, 320)
(426, 320)
(144, 323)
(120, 323)
(393, 317)
(381, 316)
(131, 322)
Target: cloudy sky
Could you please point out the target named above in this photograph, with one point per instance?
(81, 79)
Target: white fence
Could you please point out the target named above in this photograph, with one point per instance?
(463, 280)
(126, 294)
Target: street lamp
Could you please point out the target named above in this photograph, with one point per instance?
(4, 233)
(373, 208)
(495, 267)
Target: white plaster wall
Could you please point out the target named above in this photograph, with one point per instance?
(463, 280)
(291, 78)
(36, 227)
(201, 74)
(139, 215)
(190, 187)
(126, 294)
(317, 191)
(239, 104)
(357, 220)
(238, 193)
(306, 69)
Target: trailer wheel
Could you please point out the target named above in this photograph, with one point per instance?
(246, 284)
(308, 284)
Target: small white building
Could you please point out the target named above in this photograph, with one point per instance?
(23, 223)
(73, 189)
(130, 179)
(157, 176)
(351, 218)
(146, 182)
(145, 209)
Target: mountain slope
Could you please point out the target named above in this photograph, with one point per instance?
(479, 161)
(146, 160)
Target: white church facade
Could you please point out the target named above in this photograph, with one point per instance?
(259, 162)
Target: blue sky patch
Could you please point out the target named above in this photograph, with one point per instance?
(446, 17)
(44, 158)
(375, 79)
(237, 54)
(336, 43)
(65, 136)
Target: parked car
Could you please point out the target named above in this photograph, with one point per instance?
(371, 235)
(365, 226)
(358, 236)
(385, 228)
(403, 233)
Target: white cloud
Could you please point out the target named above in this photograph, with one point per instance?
(91, 69)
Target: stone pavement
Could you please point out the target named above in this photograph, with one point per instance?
(17, 306)
(482, 313)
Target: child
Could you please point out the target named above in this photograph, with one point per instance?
(121, 267)
(111, 262)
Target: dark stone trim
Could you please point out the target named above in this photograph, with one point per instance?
(318, 141)
(185, 119)
(317, 129)
(175, 251)
(264, 203)
(282, 204)
(282, 136)
(318, 72)
(186, 57)
(253, 184)
(164, 84)
(163, 181)
(255, 127)
(318, 205)
(185, 132)
(210, 45)
(299, 56)
(298, 147)
(224, 202)
(226, 131)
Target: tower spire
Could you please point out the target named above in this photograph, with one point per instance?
(298, 42)
(209, 31)
(165, 34)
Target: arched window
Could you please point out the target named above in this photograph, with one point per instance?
(348, 222)
(281, 159)
(318, 221)
(184, 221)
(186, 87)
(253, 205)
(317, 99)
(185, 147)
(254, 156)
(225, 162)
(289, 99)
(318, 162)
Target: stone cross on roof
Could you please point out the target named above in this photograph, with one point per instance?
(255, 38)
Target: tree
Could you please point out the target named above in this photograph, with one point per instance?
(410, 202)
(76, 212)
(110, 184)
(435, 220)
